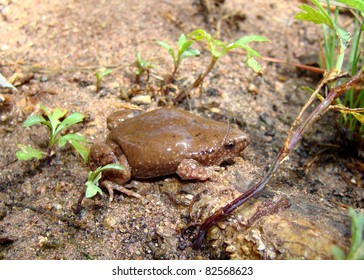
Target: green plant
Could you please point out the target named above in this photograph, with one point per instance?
(92, 184)
(336, 41)
(100, 74)
(52, 120)
(184, 51)
(143, 66)
(218, 49)
(299, 126)
(356, 251)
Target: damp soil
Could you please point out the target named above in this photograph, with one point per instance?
(55, 48)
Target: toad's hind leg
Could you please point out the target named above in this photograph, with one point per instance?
(191, 169)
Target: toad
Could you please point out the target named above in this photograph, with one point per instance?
(163, 142)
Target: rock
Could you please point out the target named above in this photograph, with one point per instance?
(110, 222)
(141, 99)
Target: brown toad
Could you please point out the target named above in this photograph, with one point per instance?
(165, 141)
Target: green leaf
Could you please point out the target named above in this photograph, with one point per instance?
(102, 73)
(219, 48)
(356, 4)
(357, 244)
(142, 63)
(321, 16)
(5, 83)
(215, 46)
(45, 110)
(70, 137)
(28, 152)
(243, 41)
(338, 253)
(78, 142)
(254, 64)
(199, 34)
(96, 174)
(54, 119)
(316, 16)
(251, 52)
(359, 117)
(82, 149)
(190, 52)
(112, 166)
(69, 121)
(33, 120)
(168, 48)
(58, 114)
(182, 41)
(92, 189)
(183, 44)
(356, 251)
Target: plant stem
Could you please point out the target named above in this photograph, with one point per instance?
(197, 82)
(291, 141)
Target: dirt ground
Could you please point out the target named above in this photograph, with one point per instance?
(57, 46)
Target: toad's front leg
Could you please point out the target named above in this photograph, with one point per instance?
(189, 169)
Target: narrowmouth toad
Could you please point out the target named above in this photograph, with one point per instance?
(163, 142)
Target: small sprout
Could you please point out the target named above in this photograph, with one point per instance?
(100, 74)
(219, 49)
(356, 251)
(92, 184)
(143, 66)
(184, 51)
(55, 126)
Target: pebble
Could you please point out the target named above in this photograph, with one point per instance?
(141, 99)
(4, 48)
(27, 188)
(91, 88)
(109, 222)
(270, 132)
(252, 89)
(266, 119)
(113, 85)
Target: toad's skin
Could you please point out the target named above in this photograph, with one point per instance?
(165, 141)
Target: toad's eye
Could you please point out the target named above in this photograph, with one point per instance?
(229, 145)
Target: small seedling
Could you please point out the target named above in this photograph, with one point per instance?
(55, 126)
(184, 51)
(100, 74)
(143, 66)
(356, 251)
(218, 49)
(92, 184)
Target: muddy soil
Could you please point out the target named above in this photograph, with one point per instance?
(56, 47)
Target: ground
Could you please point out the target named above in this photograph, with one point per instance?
(56, 47)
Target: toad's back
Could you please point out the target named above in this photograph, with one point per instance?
(154, 143)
